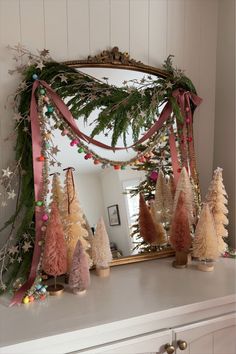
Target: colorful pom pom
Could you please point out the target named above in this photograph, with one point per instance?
(41, 158)
(80, 150)
(116, 167)
(96, 162)
(39, 203)
(35, 77)
(26, 300)
(45, 217)
(153, 176)
(42, 91)
(64, 132)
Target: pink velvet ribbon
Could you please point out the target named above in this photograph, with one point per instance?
(183, 99)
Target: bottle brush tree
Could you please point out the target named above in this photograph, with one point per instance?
(184, 185)
(101, 252)
(205, 245)
(73, 221)
(160, 231)
(79, 278)
(217, 199)
(163, 199)
(54, 260)
(180, 237)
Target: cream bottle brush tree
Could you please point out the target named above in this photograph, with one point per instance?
(101, 252)
(205, 245)
(57, 191)
(217, 199)
(184, 184)
(163, 199)
(73, 220)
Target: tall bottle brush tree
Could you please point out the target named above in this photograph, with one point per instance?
(180, 237)
(217, 200)
(163, 201)
(205, 243)
(73, 221)
(54, 260)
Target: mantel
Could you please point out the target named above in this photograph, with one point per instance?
(136, 298)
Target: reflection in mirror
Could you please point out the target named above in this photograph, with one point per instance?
(100, 186)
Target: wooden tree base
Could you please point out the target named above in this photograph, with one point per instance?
(79, 292)
(55, 291)
(204, 267)
(181, 260)
(103, 272)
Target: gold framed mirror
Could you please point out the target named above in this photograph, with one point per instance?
(106, 111)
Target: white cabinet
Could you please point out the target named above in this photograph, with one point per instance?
(214, 336)
(147, 344)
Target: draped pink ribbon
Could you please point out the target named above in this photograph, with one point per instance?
(183, 98)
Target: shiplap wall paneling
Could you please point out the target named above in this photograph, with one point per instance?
(139, 30)
(176, 30)
(157, 32)
(120, 29)
(100, 31)
(56, 26)
(32, 24)
(78, 29)
(207, 80)
(9, 15)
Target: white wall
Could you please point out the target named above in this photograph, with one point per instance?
(90, 196)
(148, 29)
(224, 145)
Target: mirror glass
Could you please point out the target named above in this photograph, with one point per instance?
(104, 191)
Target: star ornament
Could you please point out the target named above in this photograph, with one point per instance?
(26, 246)
(40, 65)
(11, 194)
(3, 286)
(13, 250)
(55, 150)
(7, 172)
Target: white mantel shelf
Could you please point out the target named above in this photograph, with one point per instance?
(137, 297)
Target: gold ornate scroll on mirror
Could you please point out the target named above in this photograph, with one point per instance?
(109, 182)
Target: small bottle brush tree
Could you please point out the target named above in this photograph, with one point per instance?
(79, 279)
(101, 252)
(205, 246)
(54, 260)
(160, 231)
(73, 220)
(163, 199)
(180, 237)
(185, 186)
(217, 200)
(147, 227)
(57, 192)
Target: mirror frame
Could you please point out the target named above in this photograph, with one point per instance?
(121, 60)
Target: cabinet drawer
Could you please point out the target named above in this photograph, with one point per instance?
(214, 336)
(145, 344)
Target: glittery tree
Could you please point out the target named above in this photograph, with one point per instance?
(180, 237)
(217, 200)
(55, 256)
(151, 230)
(205, 245)
(79, 279)
(73, 220)
(163, 202)
(101, 252)
(184, 185)
(161, 232)
(57, 192)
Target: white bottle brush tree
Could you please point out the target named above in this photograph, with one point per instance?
(205, 245)
(101, 252)
(217, 199)
(73, 221)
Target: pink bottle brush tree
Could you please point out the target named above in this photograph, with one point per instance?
(79, 278)
(55, 255)
(180, 237)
